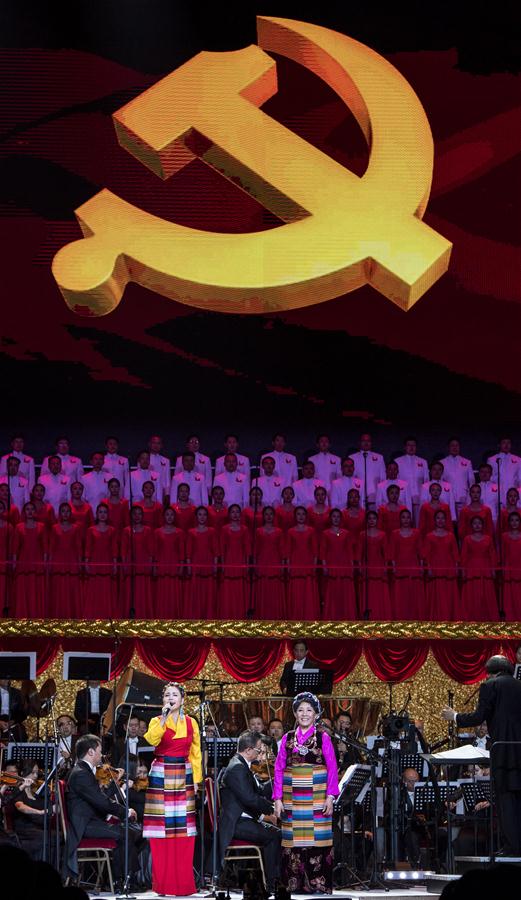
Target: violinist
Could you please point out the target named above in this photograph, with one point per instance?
(135, 744)
(137, 788)
(11, 788)
(29, 812)
(67, 737)
(345, 753)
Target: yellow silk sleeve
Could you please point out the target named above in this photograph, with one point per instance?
(195, 753)
(155, 731)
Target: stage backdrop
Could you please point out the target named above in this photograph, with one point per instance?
(452, 361)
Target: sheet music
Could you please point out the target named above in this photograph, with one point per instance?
(466, 752)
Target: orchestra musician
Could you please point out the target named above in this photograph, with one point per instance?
(176, 772)
(244, 808)
(300, 661)
(67, 737)
(90, 704)
(305, 785)
(346, 754)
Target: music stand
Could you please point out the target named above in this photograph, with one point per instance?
(317, 681)
(355, 782)
(517, 671)
(84, 666)
(16, 666)
(44, 754)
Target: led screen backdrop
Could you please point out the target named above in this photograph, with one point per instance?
(453, 359)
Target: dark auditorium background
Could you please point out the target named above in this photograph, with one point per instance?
(355, 363)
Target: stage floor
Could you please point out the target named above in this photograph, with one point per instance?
(412, 894)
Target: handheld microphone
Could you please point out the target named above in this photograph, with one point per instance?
(166, 709)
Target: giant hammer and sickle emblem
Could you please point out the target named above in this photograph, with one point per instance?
(340, 231)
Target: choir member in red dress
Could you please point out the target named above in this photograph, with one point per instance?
(136, 558)
(478, 562)
(374, 596)
(318, 513)
(353, 519)
(101, 557)
(218, 510)
(12, 513)
(152, 509)
(285, 513)
(44, 511)
(234, 589)
(336, 553)
(475, 508)
(512, 505)
(389, 513)
(251, 515)
(302, 556)
(202, 557)
(169, 554)
(65, 552)
(6, 555)
(29, 556)
(440, 552)
(184, 510)
(119, 516)
(511, 550)
(428, 510)
(405, 553)
(269, 554)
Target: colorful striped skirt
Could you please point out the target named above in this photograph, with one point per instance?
(304, 794)
(170, 799)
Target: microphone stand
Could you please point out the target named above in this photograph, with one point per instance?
(132, 609)
(251, 606)
(501, 609)
(367, 611)
(7, 598)
(125, 894)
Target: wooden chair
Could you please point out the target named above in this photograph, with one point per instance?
(236, 850)
(90, 850)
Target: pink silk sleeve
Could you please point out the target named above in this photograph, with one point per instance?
(280, 765)
(331, 765)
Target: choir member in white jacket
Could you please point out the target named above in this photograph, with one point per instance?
(194, 479)
(506, 467)
(447, 495)
(415, 471)
(203, 464)
(340, 487)
(328, 465)
(26, 462)
(116, 465)
(71, 466)
(459, 472)
(285, 463)
(392, 471)
(234, 483)
(369, 466)
(305, 487)
(231, 443)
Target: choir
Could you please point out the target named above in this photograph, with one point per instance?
(343, 538)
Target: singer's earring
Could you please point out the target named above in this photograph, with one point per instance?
(181, 711)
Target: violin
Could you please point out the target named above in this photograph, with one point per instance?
(105, 773)
(10, 779)
(141, 783)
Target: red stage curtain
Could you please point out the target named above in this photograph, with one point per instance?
(249, 659)
(176, 659)
(341, 656)
(121, 652)
(396, 660)
(47, 649)
(508, 648)
(464, 661)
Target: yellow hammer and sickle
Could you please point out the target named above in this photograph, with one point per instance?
(340, 231)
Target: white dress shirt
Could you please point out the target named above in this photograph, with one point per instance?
(340, 488)
(95, 487)
(415, 471)
(118, 467)
(446, 495)
(375, 467)
(305, 490)
(202, 465)
(236, 487)
(26, 467)
(460, 473)
(4, 701)
(285, 466)
(405, 492)
(72, 466)
(489, 496)
(161, 466)
(18, 489)
(94, 699)
(197, 484)
(328, 466)
(57, 489)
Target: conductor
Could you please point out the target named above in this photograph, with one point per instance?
(499, 705)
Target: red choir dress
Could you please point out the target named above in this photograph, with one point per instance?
(152, 515)
(65, 555)
(30, 547)
(270, 595)
(169, 553)
(119, 516)
(13, 516)
(136, 555)
(83, 516)
(426, 522)
(504, 526)
(169, 817)
(251, 520)
(355, 525)
(441, 556)
(318, 520)
(511, 549)
(467, 514)
(101, 547)
(284, 518)
(184, 516)
(408, 589)
(336, 552)
(234, 598)
(374, 583)
(201, 590)
(389, 519)
(478, 595)
(302, 550)
(6, 552)
(44, 514)
(217, 518)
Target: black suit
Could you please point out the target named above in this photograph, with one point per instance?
(287, 672)
(87, 808)
(241, 793)
(119, 754)
(499, 705)
(82, 710)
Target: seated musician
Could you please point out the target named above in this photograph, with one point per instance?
(29, 812)
(345, 753)
(275, 732)
(88, 807)
(67, 736)
(244, 808)
(256, 724)
(90, 704)
(9, 794)
(135, 744)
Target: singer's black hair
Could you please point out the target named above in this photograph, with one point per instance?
(175, 684)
